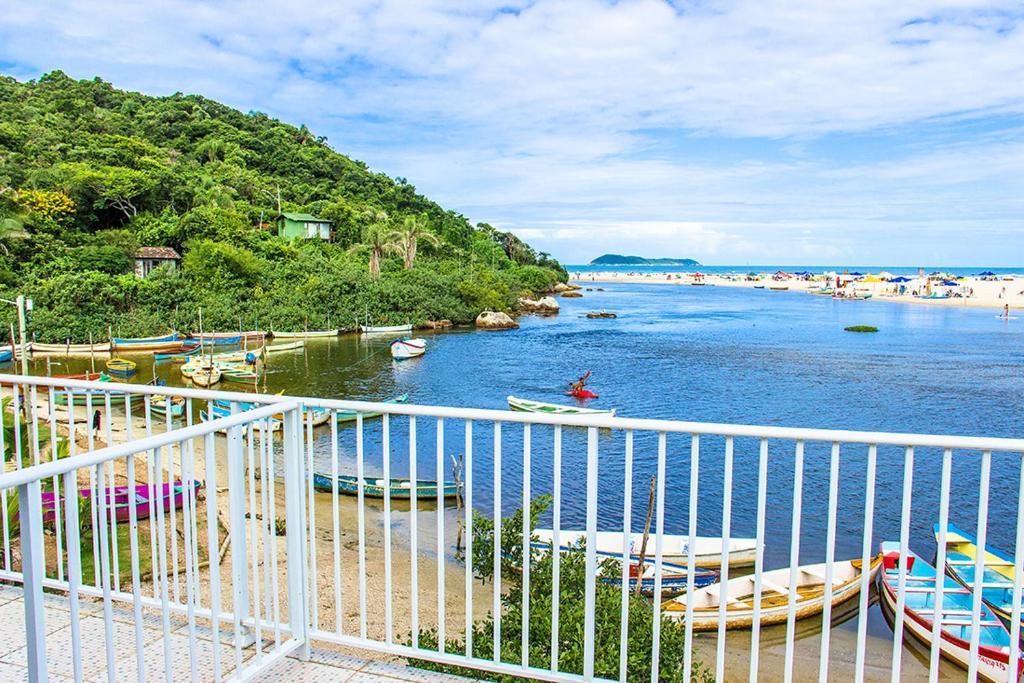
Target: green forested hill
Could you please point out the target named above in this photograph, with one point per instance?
(89, 173)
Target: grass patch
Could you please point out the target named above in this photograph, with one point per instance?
(861, 328)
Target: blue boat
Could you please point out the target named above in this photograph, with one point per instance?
(374, 488)
(6, 355)
(673, 576)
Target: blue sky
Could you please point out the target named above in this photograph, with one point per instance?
(863, 132)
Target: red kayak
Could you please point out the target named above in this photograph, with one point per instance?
(586, 393)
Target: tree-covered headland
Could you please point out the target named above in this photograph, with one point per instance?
(90, 173)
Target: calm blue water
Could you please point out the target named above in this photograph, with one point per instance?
(709, 354)
(732, 269)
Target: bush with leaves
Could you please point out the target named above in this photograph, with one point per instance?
(572, 615)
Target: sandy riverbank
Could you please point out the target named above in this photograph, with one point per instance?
(976, 292)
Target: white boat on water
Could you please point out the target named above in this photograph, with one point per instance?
(408, 348)
(288, 346)
(306, 334)
(675, 548)
(390, 329)
(69, 349)
(775, 593)
(525, 405)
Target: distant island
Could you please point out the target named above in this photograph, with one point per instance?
(619, 260)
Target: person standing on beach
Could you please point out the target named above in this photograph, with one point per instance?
(95, 423)
(1006, 311)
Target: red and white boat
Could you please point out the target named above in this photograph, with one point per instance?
(408, 348)
(955, 621)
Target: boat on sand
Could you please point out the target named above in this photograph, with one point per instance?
(775, 594)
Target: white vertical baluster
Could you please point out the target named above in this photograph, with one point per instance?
(271, 481)
(627, 543)
(151, 495)
(213, 545)
(659, 550)
(108, 612)
(414, 581)
(690, 560)
(160, 569)
(762, 496)
(295, 559)
(866, 554)
(386, 462)
(93, 486)
(30, 511)
(794, 556)
(830, 555)
(59, 536)
(73, 531)
(314, 597)
(979, 562)
(111, 508)
(254, 540)
(467, 500)
(171, 478)
(940, 561)
(339, 618)
(496, 543)
(440, 538)
(1018, 572)
(361, 502)
(901, 591)
(191, 527)
(236, 535)
(556, 545)
(590, 577)
(3, 492)
(724, 568)
(524, 645)
(133, 539)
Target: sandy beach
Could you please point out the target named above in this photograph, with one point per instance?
(974, 292)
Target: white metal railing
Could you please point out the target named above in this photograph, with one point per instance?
(786, 488)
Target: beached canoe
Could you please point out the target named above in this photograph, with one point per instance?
(775, 592)
(164, 343)
(288, 346)
(122, 499)
(527, 406)
(374, 488)
(306, 334)
(70, 349)
(675, 548)
(120, 367)
(386, 329)
(997, 578)
(955, 625)
(402, 349)
(673, 576)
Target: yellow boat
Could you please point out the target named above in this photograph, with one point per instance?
(997, 577)
(121, 367)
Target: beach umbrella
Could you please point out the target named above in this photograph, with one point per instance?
(885, 275)
(856, 274)
(986, 273)
(900, 279)
(871, 278)
(950, 283)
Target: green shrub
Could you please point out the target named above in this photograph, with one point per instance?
(861, 328)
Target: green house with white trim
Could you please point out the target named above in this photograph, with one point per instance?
(303, 225)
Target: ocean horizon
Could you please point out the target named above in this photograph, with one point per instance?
(768, 268)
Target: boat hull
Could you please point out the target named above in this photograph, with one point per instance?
(391, 329)
(374, 488)
(402, 349)
(309, 334)
(70, 349)
(527, 406)
(122, 500)
(707, 555)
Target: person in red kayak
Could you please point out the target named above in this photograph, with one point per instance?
(580, 385)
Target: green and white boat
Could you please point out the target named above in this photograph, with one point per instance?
(527, 406)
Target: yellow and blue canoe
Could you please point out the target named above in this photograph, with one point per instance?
(997, 578)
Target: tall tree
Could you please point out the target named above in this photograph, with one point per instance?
(380, 240)
(414, 229)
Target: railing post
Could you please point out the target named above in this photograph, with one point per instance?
(239, 548)
(30, 511)
(294, 490)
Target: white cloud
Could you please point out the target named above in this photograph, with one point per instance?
(555, 115)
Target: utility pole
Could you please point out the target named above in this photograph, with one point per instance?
(24, 307)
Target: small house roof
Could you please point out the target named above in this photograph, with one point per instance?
(157, 253)
(303, 217)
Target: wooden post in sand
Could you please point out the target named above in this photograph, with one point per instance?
(643, 543)
(457, 474)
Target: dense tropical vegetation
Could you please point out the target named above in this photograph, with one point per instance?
(89, 173)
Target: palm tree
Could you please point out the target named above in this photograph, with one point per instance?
(413, 229)
(380, 241)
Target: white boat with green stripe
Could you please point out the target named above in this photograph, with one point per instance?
(527, 406)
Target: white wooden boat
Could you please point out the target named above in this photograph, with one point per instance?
(69, 349)
(408, 348)
(389, 329)
(306, 334)
(775, 592)
(675, 548)
(956, 619)
(527, 406)
(163, 343)
(239, 356)
(206, 375)
(288, 346)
